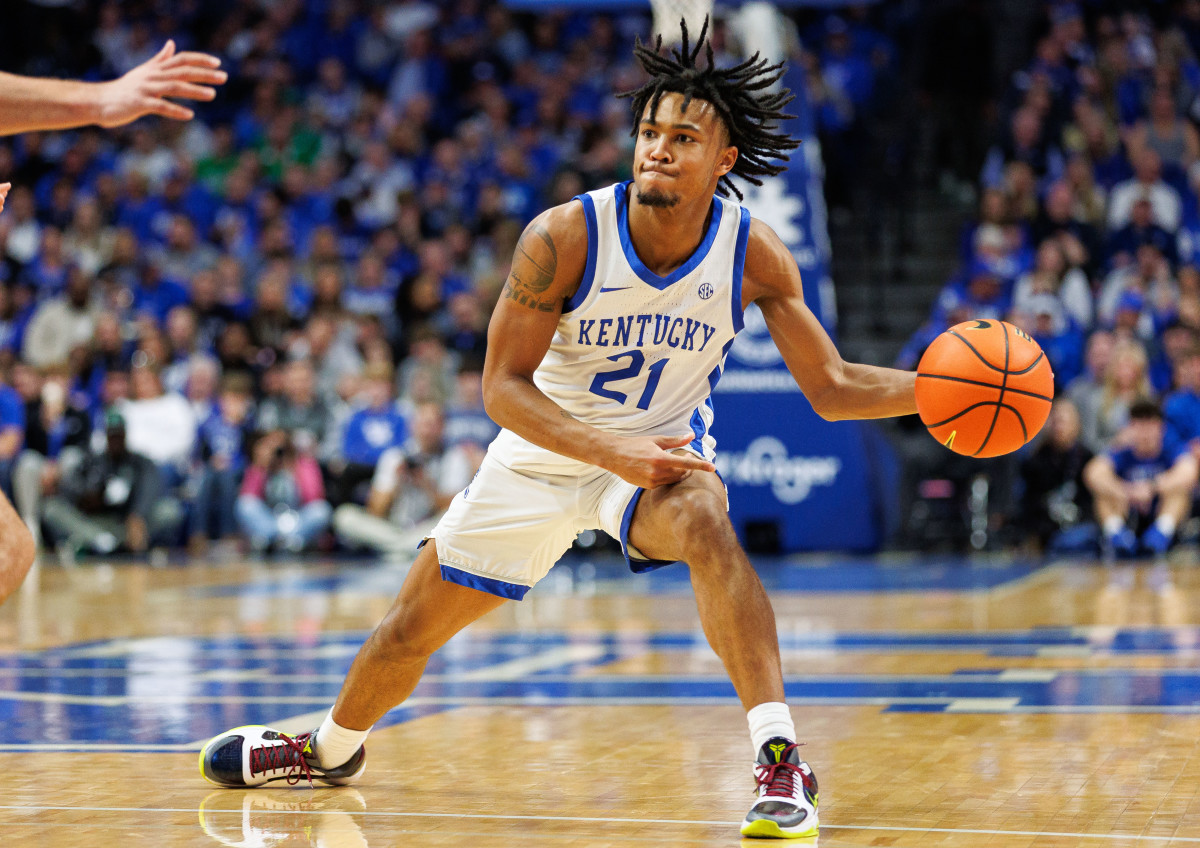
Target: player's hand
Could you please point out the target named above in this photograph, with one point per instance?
(4, 187)
(143, 90)
(649, 461)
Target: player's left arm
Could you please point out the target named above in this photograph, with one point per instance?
(837, 389)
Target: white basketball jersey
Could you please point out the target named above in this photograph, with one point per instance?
(639, 354)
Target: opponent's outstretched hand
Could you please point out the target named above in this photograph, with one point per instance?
(4, 187)
(649, 461)
(143, 90)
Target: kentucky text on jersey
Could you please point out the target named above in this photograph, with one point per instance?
(642, 330)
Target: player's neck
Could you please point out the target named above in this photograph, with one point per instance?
(664, 238)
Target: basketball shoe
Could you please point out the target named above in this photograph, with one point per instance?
(255, 754)
(787, 794)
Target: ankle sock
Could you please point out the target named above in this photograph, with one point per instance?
(768, 721)
(337, 744)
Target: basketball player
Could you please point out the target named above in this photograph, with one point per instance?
(602, 353)
(28, 104)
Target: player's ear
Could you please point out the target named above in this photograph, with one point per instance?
(726, 161)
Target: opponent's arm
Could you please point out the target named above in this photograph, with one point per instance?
(29, 104)
(836, 389)
(547, 268)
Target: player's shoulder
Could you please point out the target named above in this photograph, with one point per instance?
(553, 250)
(769, 266)
(565, 222)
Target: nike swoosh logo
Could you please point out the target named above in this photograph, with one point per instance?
(618, 288)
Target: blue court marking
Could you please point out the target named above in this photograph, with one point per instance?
(609, 573)
(174, 691)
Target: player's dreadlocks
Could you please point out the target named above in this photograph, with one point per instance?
(750, 114)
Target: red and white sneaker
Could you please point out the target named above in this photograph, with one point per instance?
(255, 755)
(787, 794)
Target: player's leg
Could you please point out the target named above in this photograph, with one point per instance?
(17, 549)
(425, 614)
(689, 521)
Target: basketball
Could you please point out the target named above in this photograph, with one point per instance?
(984, 388)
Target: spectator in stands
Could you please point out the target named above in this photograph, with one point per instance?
(1104, 410)
(61, 323)
(159, 425)
(467, 422)
(113, 499)
(330, 347)
(282, 500)
(374, 427)
(1123, 244)
(1143, 488)
(1163, 131)
(1147, 183)
(1057, 505)
(1149, 277)
(413, 485)
(298, 407)
(1052, 275)
(56, 437)
(1025, 143)
(1181, 409)
(1079, 240)
(223, 439)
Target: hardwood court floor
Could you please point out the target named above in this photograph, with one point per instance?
(943, 704)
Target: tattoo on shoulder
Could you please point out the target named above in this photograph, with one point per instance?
(531, 277)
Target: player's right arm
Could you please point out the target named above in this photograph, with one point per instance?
(29, 104)
(547, 269)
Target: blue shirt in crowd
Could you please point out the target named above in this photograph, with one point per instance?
(1129, 466)
(370, 432)
(12, 409)
(1182, 412)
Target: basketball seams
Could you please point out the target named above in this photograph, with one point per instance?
(999, 400)
(973, 407)
(970, 382)
(979, 355)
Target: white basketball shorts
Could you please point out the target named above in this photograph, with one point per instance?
(510, 526)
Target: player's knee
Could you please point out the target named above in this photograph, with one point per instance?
(403, 638)
(701, 523)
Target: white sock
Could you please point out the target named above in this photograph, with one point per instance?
(1113, 525)
(1165, 525)
(337, 744)
(770, 720)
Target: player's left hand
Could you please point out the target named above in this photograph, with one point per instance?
(143, 90)
(4, 187)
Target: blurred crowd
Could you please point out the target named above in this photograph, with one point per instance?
(1088, 238)
(265, 328)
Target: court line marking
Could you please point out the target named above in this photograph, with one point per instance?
(603, 820)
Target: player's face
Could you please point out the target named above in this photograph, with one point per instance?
(680, 155)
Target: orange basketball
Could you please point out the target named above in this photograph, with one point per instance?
(984, 388)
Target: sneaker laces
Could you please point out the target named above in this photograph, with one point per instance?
(779, 779)
(287, 753)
